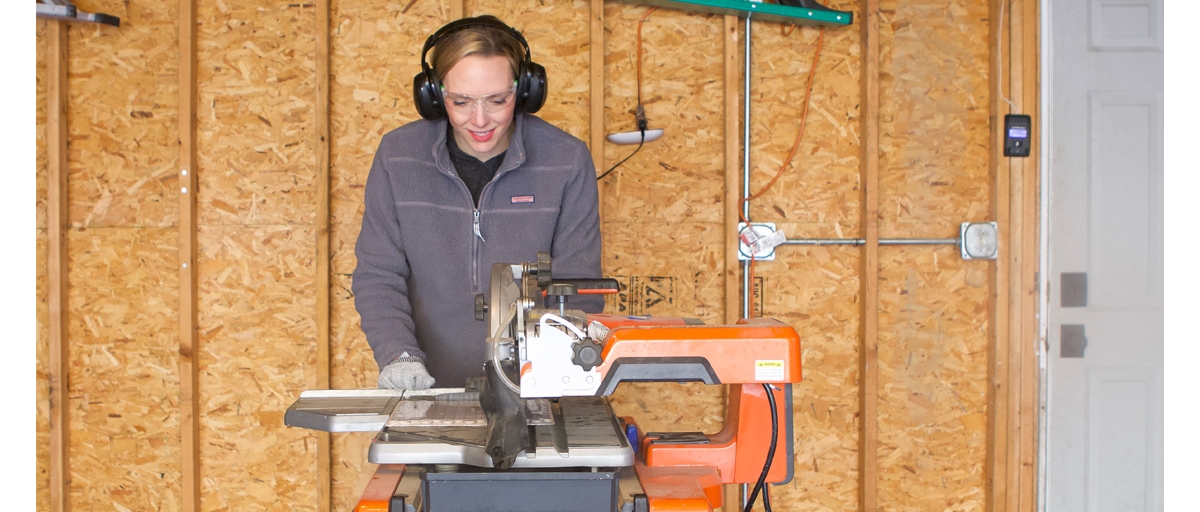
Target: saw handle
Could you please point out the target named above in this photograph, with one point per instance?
(596, 286)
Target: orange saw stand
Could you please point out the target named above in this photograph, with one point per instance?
(683, 471)
(377, 497)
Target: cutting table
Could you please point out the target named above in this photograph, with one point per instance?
(448, 426)
(537, 431)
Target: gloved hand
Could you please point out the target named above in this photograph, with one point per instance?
(405, 372)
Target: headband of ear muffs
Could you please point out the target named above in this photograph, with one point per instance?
(427, 88)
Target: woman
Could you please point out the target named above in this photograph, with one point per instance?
(478, 181)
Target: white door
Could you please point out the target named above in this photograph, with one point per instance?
(1104, 430)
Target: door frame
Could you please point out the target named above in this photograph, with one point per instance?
(1015, 354)
(1045, 121)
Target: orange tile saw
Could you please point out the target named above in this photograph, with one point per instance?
(537, 432)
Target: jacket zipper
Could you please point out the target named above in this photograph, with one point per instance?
(477, 241)
(475, 251)
(477, 232)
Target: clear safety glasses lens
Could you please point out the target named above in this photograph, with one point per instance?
(491, 102)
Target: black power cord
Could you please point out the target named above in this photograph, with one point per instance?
(762, 478)
(642, 125)
(640, 113)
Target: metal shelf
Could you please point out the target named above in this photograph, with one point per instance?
(763, 11)
(65, 10)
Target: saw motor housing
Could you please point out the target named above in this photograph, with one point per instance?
(552, 353)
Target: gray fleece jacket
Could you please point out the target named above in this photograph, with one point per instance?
(425, 251)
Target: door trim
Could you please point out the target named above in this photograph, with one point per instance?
(1045, 122)
(1014, 372)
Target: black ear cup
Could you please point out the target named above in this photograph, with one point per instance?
(531, 87)
(427, 94)
(427, 89)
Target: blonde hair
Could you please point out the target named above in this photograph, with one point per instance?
(481, 40)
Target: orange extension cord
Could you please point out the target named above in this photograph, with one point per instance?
(787, 161)
(639, 47)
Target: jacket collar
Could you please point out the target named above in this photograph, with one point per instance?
(514, 156)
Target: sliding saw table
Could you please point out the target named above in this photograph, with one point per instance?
(537, 432)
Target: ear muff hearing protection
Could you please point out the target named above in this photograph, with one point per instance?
(427, 88)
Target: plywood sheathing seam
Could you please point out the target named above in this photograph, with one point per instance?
(323, 269)
(57, 271)
(186, 186)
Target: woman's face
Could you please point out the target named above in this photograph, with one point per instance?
(479, 96)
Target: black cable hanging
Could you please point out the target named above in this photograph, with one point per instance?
(760, 485)
(640, 112)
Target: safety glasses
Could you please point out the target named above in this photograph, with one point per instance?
(491, 102)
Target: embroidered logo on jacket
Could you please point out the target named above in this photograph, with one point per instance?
(521, 199)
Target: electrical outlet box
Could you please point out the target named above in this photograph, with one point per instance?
(979, 240)
(758, 239)
(1017, 130)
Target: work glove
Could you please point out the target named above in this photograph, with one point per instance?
(405, 372)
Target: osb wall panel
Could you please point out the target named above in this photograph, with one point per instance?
(933, 305)
(934, 131)
(123, 106)
(375, 52)
(42, 61)
(816, 290)
(255, 114)
(43, 382)
(662, 226)
(678, 178)
(353, 367)
(351, 471)
(124, 405)
(665, 269)
(43, 309)
(819, 194)
(256, 210)
(120, 304)
(932, 396)
(257, 331)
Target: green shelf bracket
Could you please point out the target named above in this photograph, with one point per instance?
(763, 11)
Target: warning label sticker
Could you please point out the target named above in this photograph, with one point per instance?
(768, 370)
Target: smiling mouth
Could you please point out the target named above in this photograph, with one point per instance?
(484, 136)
